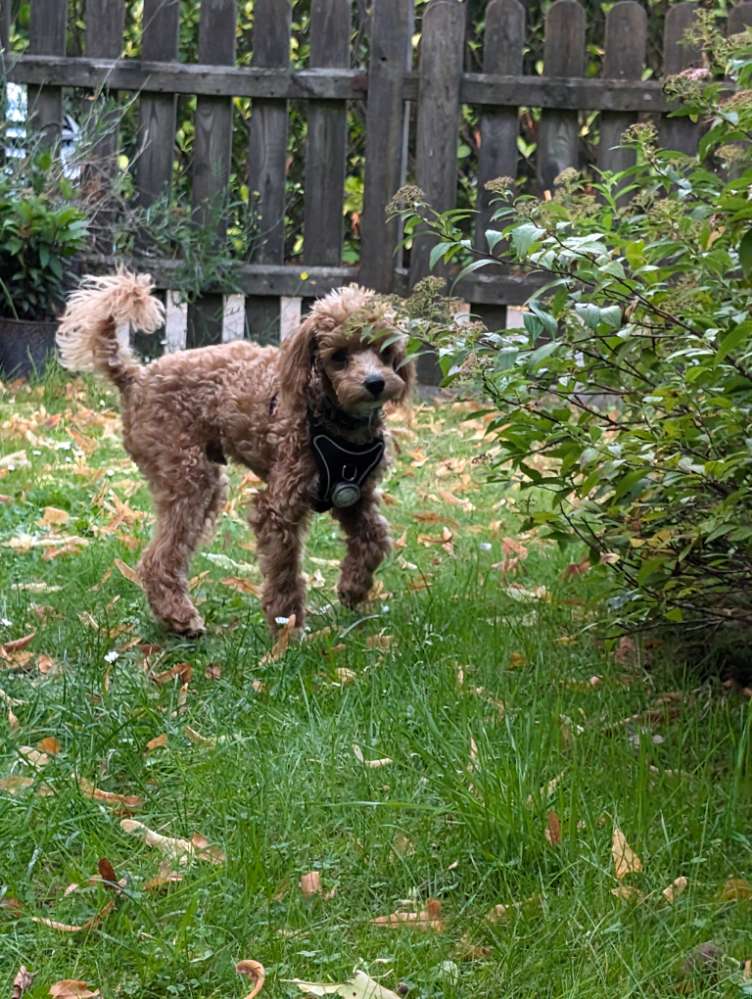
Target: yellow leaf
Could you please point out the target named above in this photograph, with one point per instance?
(425, 919)
(674, 890)
(52, 516)
(625, 859)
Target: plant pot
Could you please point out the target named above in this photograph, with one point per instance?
(25, 347)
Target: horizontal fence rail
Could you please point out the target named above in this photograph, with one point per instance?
(410, 99)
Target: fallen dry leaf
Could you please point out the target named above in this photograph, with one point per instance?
(167, 876)
(71, 988)
(425, 919)
(9, 649)
(125, 801)
(198, 739)
(256, 972)
(49, 745)
(181, 671)
(374, 764)
(553, 829)
(736, 890)
(310, 884)
(503, 912)
(284, 637)
(360, 986)
(21, 983)
(383, 642)
(33, 756)
(516, 660)
(15, 783)
(181, 850)
(52, 516)
(128, 572)
(89, 924)
(158, 742)
(242, 585)
(625, 859)
(674, 890)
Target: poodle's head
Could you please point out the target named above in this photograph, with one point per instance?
(348, 350)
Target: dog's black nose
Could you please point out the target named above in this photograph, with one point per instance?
(375, 385)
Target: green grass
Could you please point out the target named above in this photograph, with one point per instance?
(279, 789)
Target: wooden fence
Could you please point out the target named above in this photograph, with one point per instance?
(411, 121)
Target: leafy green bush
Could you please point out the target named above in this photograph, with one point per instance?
(625, 403)
(40, 231)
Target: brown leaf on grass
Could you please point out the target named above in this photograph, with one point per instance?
(198, 739)
(468, 950)
(284, 637)
(72, 988)
(15, 783)
(33, 756)
(21, 983)
(255, 971)
(516, 660)
(46, 665)
(128, 802)
(373, 764)
(310, 884)
(428, 919)
(11, 905)
(158, 742)
(553, 829)
(52, 516)
(128, 572)
(213, 672)
(181, 671)
(49, 745)
(242, 585)
(625, 859)
(576, 568)
(736, 890)
(166, 877)
(89, 924)
(175, 848)
(382, 642)
(548, 789)
(9, 649)
(9, 703)
(107, 872)
(673, 891)
(345, 676)
(360, 986)
(503, 912)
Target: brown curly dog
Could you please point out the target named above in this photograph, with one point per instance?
(306, 417)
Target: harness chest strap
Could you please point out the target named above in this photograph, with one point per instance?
(343, 468)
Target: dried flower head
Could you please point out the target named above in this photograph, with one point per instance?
(503, 186)
(641, 133)
(409, 198)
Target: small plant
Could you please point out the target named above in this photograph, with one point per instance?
(40, 231)
(625, 403)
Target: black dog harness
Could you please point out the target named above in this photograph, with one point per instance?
(343, 468)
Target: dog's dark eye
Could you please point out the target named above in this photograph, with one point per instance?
(339, 357)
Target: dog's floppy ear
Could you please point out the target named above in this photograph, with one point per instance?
(297, 360)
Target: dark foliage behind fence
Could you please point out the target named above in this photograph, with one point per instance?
(412, 116)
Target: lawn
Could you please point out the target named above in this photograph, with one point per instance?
(514, 746)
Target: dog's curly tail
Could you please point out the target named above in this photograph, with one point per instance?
(87, 334)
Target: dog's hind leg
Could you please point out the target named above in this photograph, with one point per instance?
(367, 535)
(186, 506)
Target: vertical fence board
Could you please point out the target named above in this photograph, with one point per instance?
(105, 23)
(159, 43)
(502, 53)
(267, 156)
(739, 18)
(563, 55)
(679, 133)
(503, 45)
(47, 37)
(326, 141)
(389, 57)
(626, 38)
(441, 55)
(212, 149)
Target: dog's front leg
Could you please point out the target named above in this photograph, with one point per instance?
(367, 534)
(280, 523)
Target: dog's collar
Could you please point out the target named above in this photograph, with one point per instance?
(343, 468)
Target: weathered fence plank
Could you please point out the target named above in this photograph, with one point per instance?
(389, 59)
(626, 38)
(679, 133)
(267, 155)
(442, 45)
(563, 55)
(503, 46)
(739, 18)
(47, 37)
(212, 148)
(156, 143)
(326, 139)
(105, 22)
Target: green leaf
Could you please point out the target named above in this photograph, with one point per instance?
(733, 339)
(745, 253)
(524, 237)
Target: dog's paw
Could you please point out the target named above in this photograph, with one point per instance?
(351, 596)
(193, 627)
